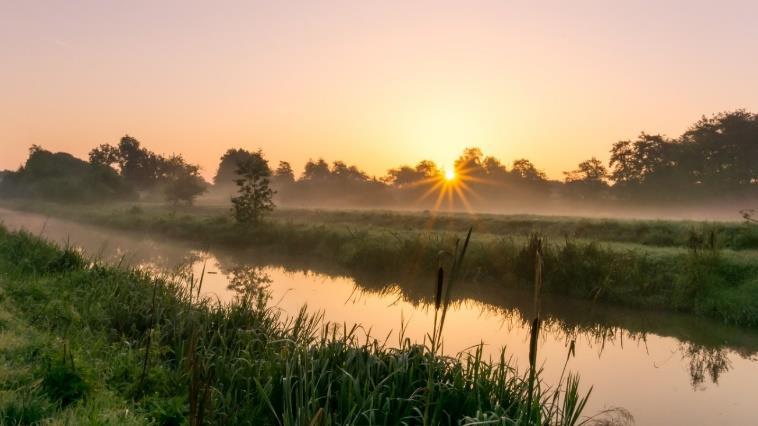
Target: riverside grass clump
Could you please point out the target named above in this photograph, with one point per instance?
(136, 349)
(716, 283)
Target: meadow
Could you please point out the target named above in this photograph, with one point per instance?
(83, 342)
(708, 269)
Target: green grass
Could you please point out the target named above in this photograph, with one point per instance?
(716, 283)
(85, 343)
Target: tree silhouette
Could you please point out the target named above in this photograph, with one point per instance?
(184, 183)
(255, 195)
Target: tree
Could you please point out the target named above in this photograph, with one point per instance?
(524, 169)
(136, 164)
(652, 167)
(105, 155)
(589, 171)
(588, 180)
(343, 172)
(632, 163)
(726, 148)
(255, 194)
(63, 177)
(227, 167)
(428, 169)
(493, 167)
(284, 173)
(184, 182)
(471, 158)
(405, 176)
(316, 170)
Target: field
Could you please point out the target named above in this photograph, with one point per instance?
(88, 343)
(704, 268)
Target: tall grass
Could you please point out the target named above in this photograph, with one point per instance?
(182, 358)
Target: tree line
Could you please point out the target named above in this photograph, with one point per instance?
(716, 158)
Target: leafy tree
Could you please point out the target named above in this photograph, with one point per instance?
(632, 163)
(316, 170)
(493, 167)
(136, 164)
(588, 180)
(404, 176)
(471, 158)
(105, 155)
(227, 168)
(724, 148)
(589, 171)
(343, 172)
(184, 182)
(524, 169)
(428, 169)
(284, 174)
(63, 177)
(255, 195)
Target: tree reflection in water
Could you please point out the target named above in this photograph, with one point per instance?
(250, 282)
(705, 361)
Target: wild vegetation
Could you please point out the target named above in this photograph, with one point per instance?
(697, 276)
(88, 343)
(254, 197)
(64, 178)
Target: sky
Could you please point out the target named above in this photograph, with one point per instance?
(377, 84)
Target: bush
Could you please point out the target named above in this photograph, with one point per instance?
(63, 383)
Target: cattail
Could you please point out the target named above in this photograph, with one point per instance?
(535, 328)
(537, 275)
(438, 294)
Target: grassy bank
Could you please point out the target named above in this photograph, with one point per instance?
(87, 343)
(702, 278)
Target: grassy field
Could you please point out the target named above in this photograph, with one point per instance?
(708, 269)
(84, 343)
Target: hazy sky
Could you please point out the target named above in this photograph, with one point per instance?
(377, 85)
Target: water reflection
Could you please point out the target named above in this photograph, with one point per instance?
(705, 361)
(250, 283)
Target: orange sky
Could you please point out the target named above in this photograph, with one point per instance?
(375, 85)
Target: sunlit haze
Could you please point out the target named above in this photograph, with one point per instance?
(373, 85)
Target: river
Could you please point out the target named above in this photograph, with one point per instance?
(662, 368)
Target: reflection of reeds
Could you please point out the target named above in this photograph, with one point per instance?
(536, 245)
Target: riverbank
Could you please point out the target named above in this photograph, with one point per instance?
(84, 342)
(701, 278)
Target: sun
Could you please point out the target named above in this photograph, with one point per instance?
(450, 175)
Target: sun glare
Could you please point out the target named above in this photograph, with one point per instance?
(449, 175)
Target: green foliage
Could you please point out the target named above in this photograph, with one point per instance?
(716, 157)
(184, 184)
(63, 383)
(62, 177)
(632, 263)
(25, 407)
(178, 180)
(228, 364)
(227, 168)
(255, 195)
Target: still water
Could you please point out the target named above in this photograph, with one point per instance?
(663, 368)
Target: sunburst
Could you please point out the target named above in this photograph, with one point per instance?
(451, 185)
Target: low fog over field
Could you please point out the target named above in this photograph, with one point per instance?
(707, 173)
